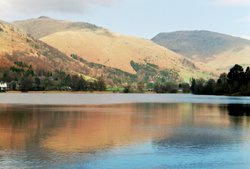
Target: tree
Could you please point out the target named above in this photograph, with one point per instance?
(100, 84)
(37, 83)
(193, 85)
(165, 88)
(222, 86)
(26, 84)
(78, 83)
(197, 86)
(66, 80)
(223, 78)
(236, 82)
(209, 87)
(140, 86)
(6, 77)
(185, 87)
(236, 78)
(127, 89)
(247, 76)
(236, 74)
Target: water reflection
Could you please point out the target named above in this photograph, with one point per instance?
(69, 129)
(44, 135)
(238, 110)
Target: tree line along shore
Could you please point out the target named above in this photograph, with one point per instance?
(22, 77)
(236, 82)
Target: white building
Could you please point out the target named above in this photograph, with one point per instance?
(3, 86)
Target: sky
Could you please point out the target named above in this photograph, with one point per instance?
(142, 18)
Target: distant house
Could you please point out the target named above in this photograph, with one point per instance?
(3, 86)
(180, 90)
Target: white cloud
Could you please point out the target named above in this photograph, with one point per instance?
(12, 8)
(74, 6)
(233, 2)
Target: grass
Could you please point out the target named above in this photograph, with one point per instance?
(115, 89)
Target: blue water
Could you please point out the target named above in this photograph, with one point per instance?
(126, 136)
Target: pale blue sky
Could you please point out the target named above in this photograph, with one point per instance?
(143, 18)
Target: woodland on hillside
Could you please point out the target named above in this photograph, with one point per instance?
(236, 82)
(22, 77)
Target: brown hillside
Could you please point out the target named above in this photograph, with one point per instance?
(224, 61)
(16, 45)
(118, 51)
(101, 46)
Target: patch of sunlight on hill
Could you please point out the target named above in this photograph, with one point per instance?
(226, 60)
(116, 51)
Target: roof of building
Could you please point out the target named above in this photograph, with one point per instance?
(3, 85)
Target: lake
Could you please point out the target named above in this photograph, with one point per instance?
(116, 131)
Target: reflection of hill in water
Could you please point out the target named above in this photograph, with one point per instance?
(202, 136)
(71, 129)
(39, 130)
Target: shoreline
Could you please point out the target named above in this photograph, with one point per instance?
(72, 92)
(104, 98)
(58, 92)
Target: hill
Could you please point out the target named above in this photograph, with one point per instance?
(17, 46)
(43, 26)
(218, 51)
(199, 44)
(104, 47)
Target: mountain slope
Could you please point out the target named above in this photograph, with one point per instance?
(224, 61)
(15, 45)
(104, 47)
(201, 44)
(218, 51)
(112, 50)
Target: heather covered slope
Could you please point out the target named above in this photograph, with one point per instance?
(118, 51)
(15, 45)
(112, 50)
(104, 47)
(224, 61)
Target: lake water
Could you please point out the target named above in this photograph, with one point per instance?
(135, 132)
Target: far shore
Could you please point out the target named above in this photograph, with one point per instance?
(69, 92)
(74, 92)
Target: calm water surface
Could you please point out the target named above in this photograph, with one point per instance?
(160, 135)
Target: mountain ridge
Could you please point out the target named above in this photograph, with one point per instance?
(36, 28)
(204, 43)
